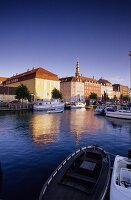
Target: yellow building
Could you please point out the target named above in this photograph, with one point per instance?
(39, 81)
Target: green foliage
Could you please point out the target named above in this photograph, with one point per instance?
(126, 98)
(56, 94)
(93, 96)
(115, 98)
(121, 97)
(22, 92)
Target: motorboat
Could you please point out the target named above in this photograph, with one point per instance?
(45, 105)
(100, 110)
(77, 105)
(85, 174)
(51, 111)
(121, 178)
(121, 113)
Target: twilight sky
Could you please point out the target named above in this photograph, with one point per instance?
(54, 33)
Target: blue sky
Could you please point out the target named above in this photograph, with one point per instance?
(53, 34)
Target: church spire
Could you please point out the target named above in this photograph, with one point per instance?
(77, 74)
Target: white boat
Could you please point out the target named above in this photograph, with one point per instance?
(45, 105)
(100, 110)
(121, 179)
(55, 110)
(121, 113)
(77, 105)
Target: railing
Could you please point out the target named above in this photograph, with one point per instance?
(15, 106)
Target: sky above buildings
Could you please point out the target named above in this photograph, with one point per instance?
(54, 33)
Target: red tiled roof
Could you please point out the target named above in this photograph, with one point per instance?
(103, 81)
(34, 73)
(88, 79)
(70, 79)
(77, 79)
(3, 78)
(45, 74)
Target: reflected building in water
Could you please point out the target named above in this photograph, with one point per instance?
(45, 128)
(83, 122)
(48, 128)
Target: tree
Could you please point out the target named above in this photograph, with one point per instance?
(22, 92)
(56, 94)
(121, 97)
(105, 96)
(115, 98)
(126, 98)
(93, 96)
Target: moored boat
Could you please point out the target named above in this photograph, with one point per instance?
(83, 175)
(44, 105)
(121, 178)
(121, 113)
(55, 111)
(100, 110)
(77, 105)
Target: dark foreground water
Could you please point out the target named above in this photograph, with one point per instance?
(32, 145)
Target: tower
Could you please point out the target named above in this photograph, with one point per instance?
(77, 74)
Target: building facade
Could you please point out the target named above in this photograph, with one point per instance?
(7, 94)
(39, 81)
(106, 88)
(72, 89)
(91, 85)
(120, 90)
(78, 87)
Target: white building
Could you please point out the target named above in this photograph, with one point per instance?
(106, 88)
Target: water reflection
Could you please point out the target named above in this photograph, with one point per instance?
(45, 127)
(82, 123)
(116, 122)
(55, 136)
(121, 124)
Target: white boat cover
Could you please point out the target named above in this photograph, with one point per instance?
(121, 179)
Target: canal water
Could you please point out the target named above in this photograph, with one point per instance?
(32, 145)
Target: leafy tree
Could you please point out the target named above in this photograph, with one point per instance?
(56, 94)
(93, 96)
(105, 96)
(115, 98)
(126, 98)
(22, 92)
(121, 97)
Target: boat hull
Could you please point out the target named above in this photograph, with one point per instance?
(117, 114)
(117, 190)
(70, 180)
(47, 107)
(55, 111)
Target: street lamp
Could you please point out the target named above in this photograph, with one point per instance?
(129, 53)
